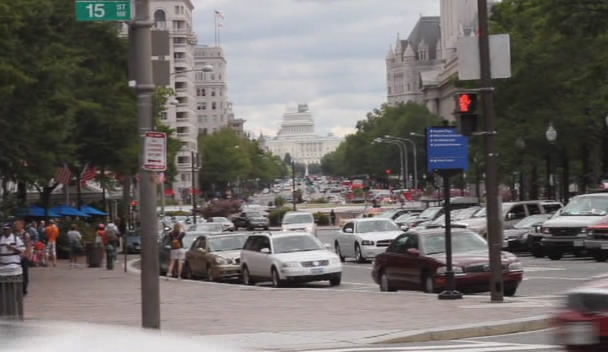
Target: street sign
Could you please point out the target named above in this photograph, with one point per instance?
(155, 151)
(103, 10)
(446, 149)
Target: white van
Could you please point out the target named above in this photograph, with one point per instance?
(299, 221)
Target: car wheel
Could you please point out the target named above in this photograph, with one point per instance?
(358, 254)
(600, 256)
(555, 255)
(210, 275)
(338, 251)
(510, 291)
(336, 280)
(276, 279)
(385, 284)
(186, 271)
(246, 278)
(266, 228)
(428, 284)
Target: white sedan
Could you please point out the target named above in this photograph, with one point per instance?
(283, 257)
(365, 238)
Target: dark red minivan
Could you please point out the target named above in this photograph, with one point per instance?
(416, 260)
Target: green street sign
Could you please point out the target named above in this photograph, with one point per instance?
(104, 10)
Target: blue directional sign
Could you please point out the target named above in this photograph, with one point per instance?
(446, 149)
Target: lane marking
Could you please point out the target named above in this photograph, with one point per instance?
(555, 278)
(470, 347)
(534, 269)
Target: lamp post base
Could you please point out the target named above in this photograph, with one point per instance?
(450, 294)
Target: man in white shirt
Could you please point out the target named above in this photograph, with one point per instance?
(11, 250)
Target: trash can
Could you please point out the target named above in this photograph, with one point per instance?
(11, 297)
(94, 255)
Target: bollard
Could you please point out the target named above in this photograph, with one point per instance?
(11, 297)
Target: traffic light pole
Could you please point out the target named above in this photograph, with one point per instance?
(491, 155)
(140, 38)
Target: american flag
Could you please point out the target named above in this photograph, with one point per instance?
(88, 174)
(219, 14)
(63, 175)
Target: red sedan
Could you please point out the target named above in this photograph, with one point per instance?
(582, 324)
(416, 260)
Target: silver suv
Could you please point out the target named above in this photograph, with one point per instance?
(568, 229)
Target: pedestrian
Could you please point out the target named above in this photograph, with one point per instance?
(11, 250)
(178, 253)
(109, 243)
(100, 238)
(332, 217)
(52, 233)
(75, 238)
(26, 254)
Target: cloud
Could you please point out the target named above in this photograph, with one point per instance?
(327, 53)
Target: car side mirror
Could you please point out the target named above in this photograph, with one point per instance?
(265, 250)
(510, 216)
(414, 252)
(404, 227)
(348, 230)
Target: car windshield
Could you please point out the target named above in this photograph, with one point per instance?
(429, 213)
(530, 221)
(254, 215)
(586, 206)
(406, 217)
(219, 219)
(482, 212)
(226, 243)
(206, 228)
(387, 214)
(298, 243)
(298, 219)
(376, 226)
(461, 242)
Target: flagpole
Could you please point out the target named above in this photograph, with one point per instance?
(215, 25)
(219, 40)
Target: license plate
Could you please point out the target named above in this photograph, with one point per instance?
(316, 271)
(604, 246)
(580, 334)
(578, 243)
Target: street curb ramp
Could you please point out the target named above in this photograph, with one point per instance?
(464, 331)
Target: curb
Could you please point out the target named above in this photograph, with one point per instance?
(464, 331)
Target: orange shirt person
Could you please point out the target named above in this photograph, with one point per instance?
(52, 233)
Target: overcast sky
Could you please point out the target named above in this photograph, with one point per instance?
(327, 53)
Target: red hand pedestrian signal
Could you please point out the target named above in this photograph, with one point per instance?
(388, 171)
(465, 103)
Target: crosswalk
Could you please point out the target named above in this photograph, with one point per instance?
(462, 346)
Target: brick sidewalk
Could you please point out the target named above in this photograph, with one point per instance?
(198, 308)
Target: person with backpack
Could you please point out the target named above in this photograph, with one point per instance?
(110, 240)
(76, 249)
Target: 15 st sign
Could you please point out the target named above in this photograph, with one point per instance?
(108, 10)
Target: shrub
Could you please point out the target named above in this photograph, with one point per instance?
(276, 216)
(279, 201)
(322, 219)
(319, 200)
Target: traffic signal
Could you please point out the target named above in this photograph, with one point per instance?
(466, 113)
(134, 206)
(388, 171)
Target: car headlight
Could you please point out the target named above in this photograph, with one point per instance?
(516, 266)
(456, 269)
(334, 261)
(290, 264)
(220, 260)
(367, 243)
(584, 232)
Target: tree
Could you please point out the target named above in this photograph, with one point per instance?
(287, 159)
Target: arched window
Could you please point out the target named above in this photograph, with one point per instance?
(160, 20)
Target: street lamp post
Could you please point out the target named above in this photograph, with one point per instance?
(551, 135)
(195, 163)
(605, 148)
(520, 143)
(414, 151)
(293, 184)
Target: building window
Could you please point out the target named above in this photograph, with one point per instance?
(185, 177)
(213, 92)
(163, 115)
(213, 106)
(160, 19)
(199, 76)
(204, 132)
(183, 160)
(201, 106)
(182, 130)
(220, 76)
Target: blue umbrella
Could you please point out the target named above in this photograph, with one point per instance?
(36, 211)
(67, 210)
(89, 210)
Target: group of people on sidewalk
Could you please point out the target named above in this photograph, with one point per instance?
(25, 244)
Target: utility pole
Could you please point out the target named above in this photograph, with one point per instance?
(493, 213)
(194, 163)
(293, 184)
(140, 38)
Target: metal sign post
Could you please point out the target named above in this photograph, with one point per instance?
(447, 154)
